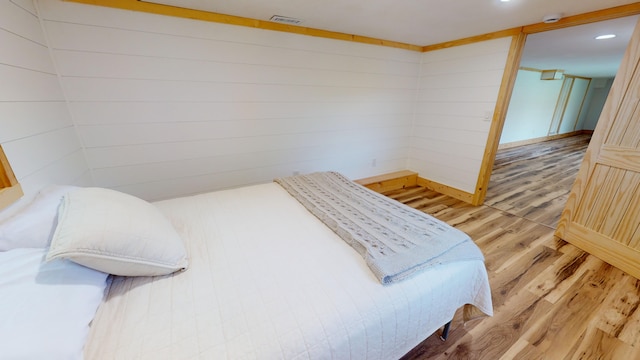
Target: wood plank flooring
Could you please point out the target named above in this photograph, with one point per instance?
(551, 300)
(533, 181)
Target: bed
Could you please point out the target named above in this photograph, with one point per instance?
(266, 279)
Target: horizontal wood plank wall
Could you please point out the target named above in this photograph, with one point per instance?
(36, 130)
(169, 106)
(458, 90)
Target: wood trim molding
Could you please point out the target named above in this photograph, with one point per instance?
(7, 177)
(586, 18)
(578, 77)
(499, 116)
(581, 19)
(175, 11)
(473, 39)
(524, 68)
(10, 189)
(391, 181)
(160, 9)
(446, 190)
(407, 178)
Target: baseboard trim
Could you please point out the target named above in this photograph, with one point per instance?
(447, 190)
(542, 139)
(406, 178)
(390, 181)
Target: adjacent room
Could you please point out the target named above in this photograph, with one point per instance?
(562, 84)
(190, 179)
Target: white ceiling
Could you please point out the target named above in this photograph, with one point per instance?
(575, 50)
(427, 22)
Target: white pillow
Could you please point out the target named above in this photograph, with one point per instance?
(32, 226)
(116, 233)
(45, 308)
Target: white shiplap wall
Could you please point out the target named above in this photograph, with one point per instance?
(167, 106)
(457, 94)
(36, 130)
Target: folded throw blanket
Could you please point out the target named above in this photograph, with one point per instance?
(395, 240)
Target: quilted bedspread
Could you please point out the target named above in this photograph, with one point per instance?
(395, 240)
(268, 280)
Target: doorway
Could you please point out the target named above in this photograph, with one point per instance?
(537, 162)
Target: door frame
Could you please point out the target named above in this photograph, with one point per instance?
(509, 77)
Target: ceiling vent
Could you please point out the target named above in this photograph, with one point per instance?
(552, 75)
(285, 20)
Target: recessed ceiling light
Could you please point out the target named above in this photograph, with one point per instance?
(604, 37)
(505, 0)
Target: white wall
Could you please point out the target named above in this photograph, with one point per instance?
(596, 97)
(36, 131)
(168, 106)
(458, 90)
(533, 102)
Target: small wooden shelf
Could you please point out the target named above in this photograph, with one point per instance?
(391, 181)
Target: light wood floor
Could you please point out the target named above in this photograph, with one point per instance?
(533, 181)
(551, 300)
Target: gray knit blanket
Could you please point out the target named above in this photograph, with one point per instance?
(395, 240)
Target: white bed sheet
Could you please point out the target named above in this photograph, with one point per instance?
(268, 280)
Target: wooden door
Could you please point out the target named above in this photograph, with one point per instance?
(602, 214)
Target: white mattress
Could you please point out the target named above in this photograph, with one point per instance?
(268, 280)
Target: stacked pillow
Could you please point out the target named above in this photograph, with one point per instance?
(116, 233)
(33, 225)
(55, 255)
(103, 229)
(45, 307)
